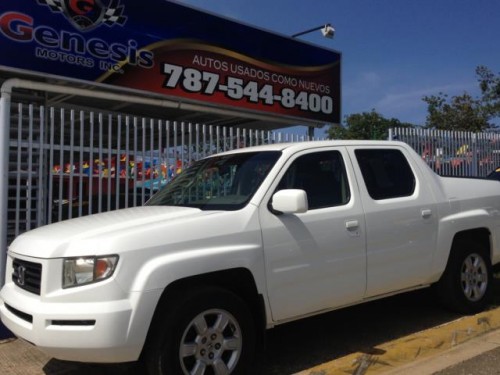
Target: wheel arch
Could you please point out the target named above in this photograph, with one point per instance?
(447, 244)
(483, 235)
(465, 286)
(238, 281)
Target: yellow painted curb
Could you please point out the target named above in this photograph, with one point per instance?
(407, 349)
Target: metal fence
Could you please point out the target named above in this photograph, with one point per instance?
(453, 153)
(66, 162)
(60, 161)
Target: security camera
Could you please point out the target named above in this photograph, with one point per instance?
(328, 31)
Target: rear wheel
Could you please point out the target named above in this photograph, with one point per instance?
(209, 331)
(466, 283)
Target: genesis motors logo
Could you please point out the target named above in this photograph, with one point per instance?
(86, 15)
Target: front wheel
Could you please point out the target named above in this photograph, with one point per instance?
(466, 283)
(207, 331)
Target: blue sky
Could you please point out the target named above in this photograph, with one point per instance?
(394, 52)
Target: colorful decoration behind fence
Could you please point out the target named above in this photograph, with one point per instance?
(150, 174)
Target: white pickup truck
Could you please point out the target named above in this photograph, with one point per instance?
(246, 240)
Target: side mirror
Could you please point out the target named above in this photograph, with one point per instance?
(290, 201)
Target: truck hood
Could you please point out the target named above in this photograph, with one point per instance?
(99, 230)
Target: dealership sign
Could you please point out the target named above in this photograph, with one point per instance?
(167, 48)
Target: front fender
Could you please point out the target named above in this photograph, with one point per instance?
(161, 271)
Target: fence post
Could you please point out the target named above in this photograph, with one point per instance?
(5, 101)
(475, 161)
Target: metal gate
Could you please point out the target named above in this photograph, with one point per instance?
(66, 162)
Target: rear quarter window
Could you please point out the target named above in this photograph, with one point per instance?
(386, 173)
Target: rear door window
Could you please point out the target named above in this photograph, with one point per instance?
(386, 173)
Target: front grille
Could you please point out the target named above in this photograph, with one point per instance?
(27, 275)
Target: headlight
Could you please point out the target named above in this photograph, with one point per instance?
(87, 270)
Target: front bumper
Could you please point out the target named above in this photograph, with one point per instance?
(90, 332)
(94, 323)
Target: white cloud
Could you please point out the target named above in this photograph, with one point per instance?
(401, 100)
(371, 79)
(409, 106)
(363, 82)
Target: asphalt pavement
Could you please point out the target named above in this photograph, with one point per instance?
(484, 364)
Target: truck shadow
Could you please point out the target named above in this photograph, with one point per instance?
(303, 344)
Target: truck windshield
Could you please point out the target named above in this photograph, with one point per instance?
(225, 182)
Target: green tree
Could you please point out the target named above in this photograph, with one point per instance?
(490, 90)
(366, 125)
(463, 112)
(337, 131)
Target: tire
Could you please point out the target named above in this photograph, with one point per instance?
(465, 286)
(204, 331)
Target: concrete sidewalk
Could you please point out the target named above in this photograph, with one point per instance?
(480, 355)
(425, 352)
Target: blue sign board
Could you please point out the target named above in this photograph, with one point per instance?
(167, 48)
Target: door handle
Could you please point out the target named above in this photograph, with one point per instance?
(426, 213)
(351, 224)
